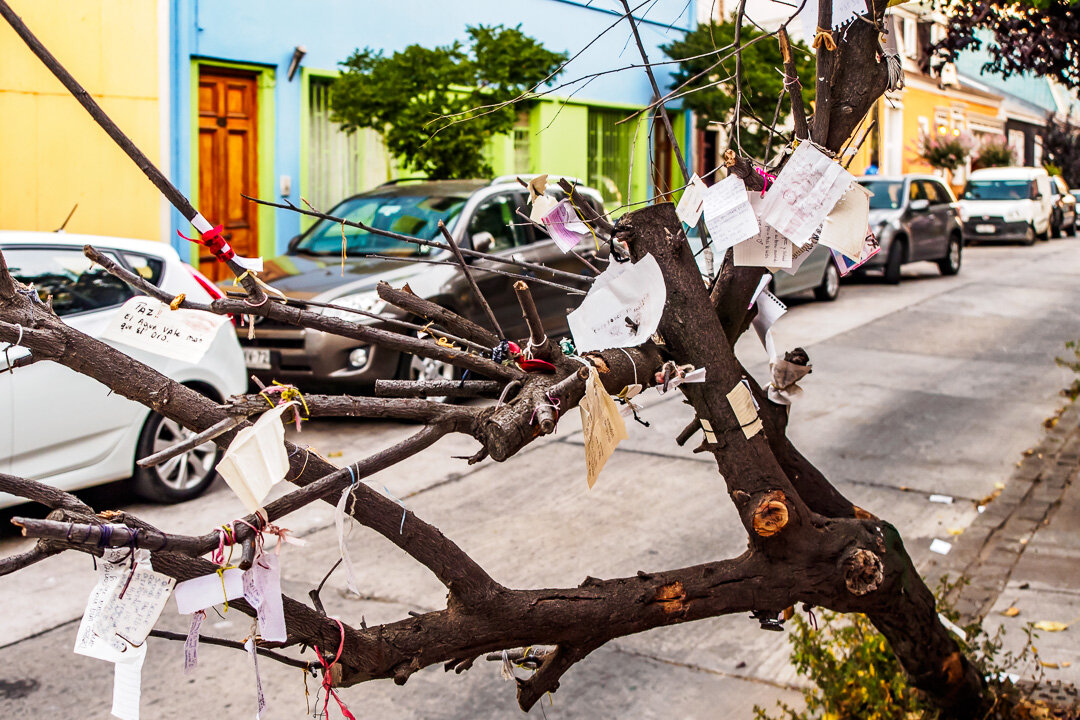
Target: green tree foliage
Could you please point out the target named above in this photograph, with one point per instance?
(436, 107)
(713, 93)
(1061, 148)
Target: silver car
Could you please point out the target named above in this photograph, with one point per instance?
(914, 218)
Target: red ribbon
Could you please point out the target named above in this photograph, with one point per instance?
(214, 243)
(768, 177)
(328, 679)
(529, 364)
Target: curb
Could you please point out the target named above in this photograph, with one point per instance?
(991, 546)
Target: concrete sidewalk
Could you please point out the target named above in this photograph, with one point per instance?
(1023, 552)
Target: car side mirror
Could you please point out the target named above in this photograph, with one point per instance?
(482, 241)
(920, 205)
(294, 241)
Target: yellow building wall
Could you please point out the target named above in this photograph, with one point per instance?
(922, 103)
(52, 154)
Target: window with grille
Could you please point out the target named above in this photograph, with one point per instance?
(340, 164)
(609, 154)
(522, 144)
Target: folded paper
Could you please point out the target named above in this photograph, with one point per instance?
(208, 590)
(256, 459)
(845, 227)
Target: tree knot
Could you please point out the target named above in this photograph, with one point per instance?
(771, 514)
(863, 571)
(671, 597)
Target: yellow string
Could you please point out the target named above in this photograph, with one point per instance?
(824, 36)
(342, 248)
(443, 342)
(221, 574)
(175, 304)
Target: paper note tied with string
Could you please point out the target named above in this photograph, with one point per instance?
(845, 227)
(256, 459)
(804, 193)
(134, 605)
(622, 308)
(742, 403)
(208, 590)
(766, 249)
(692, 202)
(148, 324)
(262, 590)
(601, 424)
(565, 226)
(111, 572)
(728, 215)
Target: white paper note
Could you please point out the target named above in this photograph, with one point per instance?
(845, 227)
(843, 12)
(941, 547)
(943, 499)
(208, 590)
(624, 290)
(541, 206)
(728, 215)
(601, 424)
(191, 644)
(808, 188)
(262, 589)
(127, 684)
(692, 201)
(769, 310)
(256, 459)
(134, 605)
(766, 249)
(110, 571)
(799, 255)
(742, 403)
(260, 699)
(148, 324)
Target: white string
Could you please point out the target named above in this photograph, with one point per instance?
(632, 364)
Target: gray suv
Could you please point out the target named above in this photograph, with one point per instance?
(479, 214)
(914, 218)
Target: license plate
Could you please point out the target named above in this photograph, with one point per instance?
(985, 228)
(257, 358)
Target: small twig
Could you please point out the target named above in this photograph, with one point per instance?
(436, 388)
(237, 645)
(793, 86)
(218, 428)
(471, 280)
(537, 336)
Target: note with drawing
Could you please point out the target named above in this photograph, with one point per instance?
(804, 193)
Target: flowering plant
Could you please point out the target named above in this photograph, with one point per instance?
(995, 151)
(945, 149)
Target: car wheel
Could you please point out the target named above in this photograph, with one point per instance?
(894, 262)
(829, 289)
(1029, 236)
(950, 264)
(1055, 229)
(181, 478)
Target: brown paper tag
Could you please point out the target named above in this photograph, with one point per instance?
(601, 423)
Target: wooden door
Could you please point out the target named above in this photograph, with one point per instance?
(228, 163)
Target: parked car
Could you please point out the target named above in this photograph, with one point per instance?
(479, 215)
(1063, 216)
(914, 218)
(1007, 204)
(818, 273)
(70, 431)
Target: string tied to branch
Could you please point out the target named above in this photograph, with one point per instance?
(288, 394)
(328, 676)
(767, 177)
(213, 241)
(17, 343)
(824, 37)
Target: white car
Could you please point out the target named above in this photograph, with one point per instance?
(1011, 203)
(69, 431)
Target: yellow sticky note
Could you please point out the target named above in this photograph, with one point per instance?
(742, 402)
(601, 424)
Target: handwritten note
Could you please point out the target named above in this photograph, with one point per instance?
(110, 570)
(133, 606)
(692, 202)
(622, 308)
(208, 590)
(742, 403)
(256, 459)
(799, 255)
(728, 214)
(804, 193)
(845, 227)
(262, 589)
(191, 643)
(601, 424)
(149, 324)
(565, 226)
(260, 698)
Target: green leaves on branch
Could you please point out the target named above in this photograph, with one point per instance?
(437, 107)
(712, 91)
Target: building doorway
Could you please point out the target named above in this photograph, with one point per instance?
(228, 162)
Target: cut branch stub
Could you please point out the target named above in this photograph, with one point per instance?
(863, 571)
(771, 514)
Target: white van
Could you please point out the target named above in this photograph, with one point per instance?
(1012, 203)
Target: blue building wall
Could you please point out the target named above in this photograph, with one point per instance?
(264, 33)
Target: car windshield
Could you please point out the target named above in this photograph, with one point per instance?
(997, 190)
(888, 194)
(414, 215)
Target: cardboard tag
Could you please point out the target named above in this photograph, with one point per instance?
(633, 291)
(706, 427)
(804, 193)
(537, 186)
(191, 644)
(256, 459)
(601, 424)
(692, 202)
(845, 226)
(209, 590)
(742, 402)
(728, 214)
(148, 324)
(133, 605)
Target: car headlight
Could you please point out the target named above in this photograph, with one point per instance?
(965, 215)
(366, 302)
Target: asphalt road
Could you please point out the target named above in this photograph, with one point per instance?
(934, 386)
